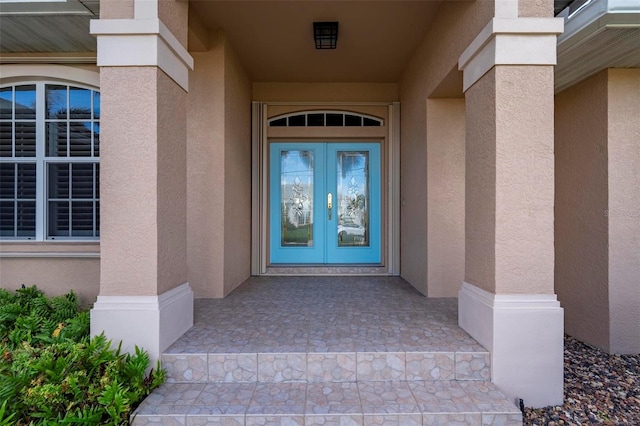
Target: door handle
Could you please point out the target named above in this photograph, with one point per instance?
(329, 203)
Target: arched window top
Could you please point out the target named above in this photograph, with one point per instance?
(62, 100)
(325, 119)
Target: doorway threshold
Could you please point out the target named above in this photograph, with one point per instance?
(320, 270)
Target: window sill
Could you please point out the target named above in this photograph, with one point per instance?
(49, 249)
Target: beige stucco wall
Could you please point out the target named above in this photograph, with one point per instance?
(205, 176)
(116, 9)
(174, 14)
(624, 209)
(55, 268)
(445, 191)
(535, 8)
(143, 182)
(237, 180)
(454, 27)
(219, 172)
(597, 213)
(581, 234)
(325, 92)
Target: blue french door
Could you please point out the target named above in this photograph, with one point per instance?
(325, 203)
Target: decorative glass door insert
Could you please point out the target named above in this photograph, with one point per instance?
(296, 224)
(353, 198)
(325, 203)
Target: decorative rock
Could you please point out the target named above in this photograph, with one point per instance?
(599, 389)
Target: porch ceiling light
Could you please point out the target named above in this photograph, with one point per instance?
(325, 34)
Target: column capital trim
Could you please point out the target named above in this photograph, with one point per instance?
(142, 42)
(521, 41)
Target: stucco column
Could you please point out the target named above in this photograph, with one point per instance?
(145, 298)
(507, 300)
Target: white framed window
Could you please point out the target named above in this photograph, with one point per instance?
(325, 119)
(49, 162)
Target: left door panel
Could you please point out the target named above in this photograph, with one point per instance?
(296, 184)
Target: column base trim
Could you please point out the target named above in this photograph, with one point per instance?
(525, 335)
(150, 322)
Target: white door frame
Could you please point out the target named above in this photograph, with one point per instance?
(259, 181)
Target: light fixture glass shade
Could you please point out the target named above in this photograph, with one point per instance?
(325, 34)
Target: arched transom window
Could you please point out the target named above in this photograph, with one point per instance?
(49, 162)
(325, 119)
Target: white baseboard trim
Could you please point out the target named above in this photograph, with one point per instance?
(525, 335)
(150, 322)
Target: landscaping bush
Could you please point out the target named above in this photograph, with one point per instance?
(53, 373)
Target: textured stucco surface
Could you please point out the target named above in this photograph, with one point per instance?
(237, 169)
(54, 276)
(205, 189)
(325, 92)
(509, 181)
(581, 234)
(172, 183)
(535, 8)
(143, 225)
(116, 9)
(624, 209)
(480, 177)
(445, 190)
(55, 273)
(454, 27)
(175, 14)
(128, 189)
(524, 180)
(597, 209)
(219, 172)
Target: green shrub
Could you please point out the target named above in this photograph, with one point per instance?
(52, 372)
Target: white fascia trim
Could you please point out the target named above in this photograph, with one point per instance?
(142, 42)
(521, 41)
(524, 333)
(596, 17)
(150, 322)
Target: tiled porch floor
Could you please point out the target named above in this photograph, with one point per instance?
(325, 314)
(327, 351)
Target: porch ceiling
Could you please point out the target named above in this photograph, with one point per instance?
(274, 39)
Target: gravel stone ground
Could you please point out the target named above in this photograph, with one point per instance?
(598, 388)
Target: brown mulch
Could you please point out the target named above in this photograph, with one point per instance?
(598, 389)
